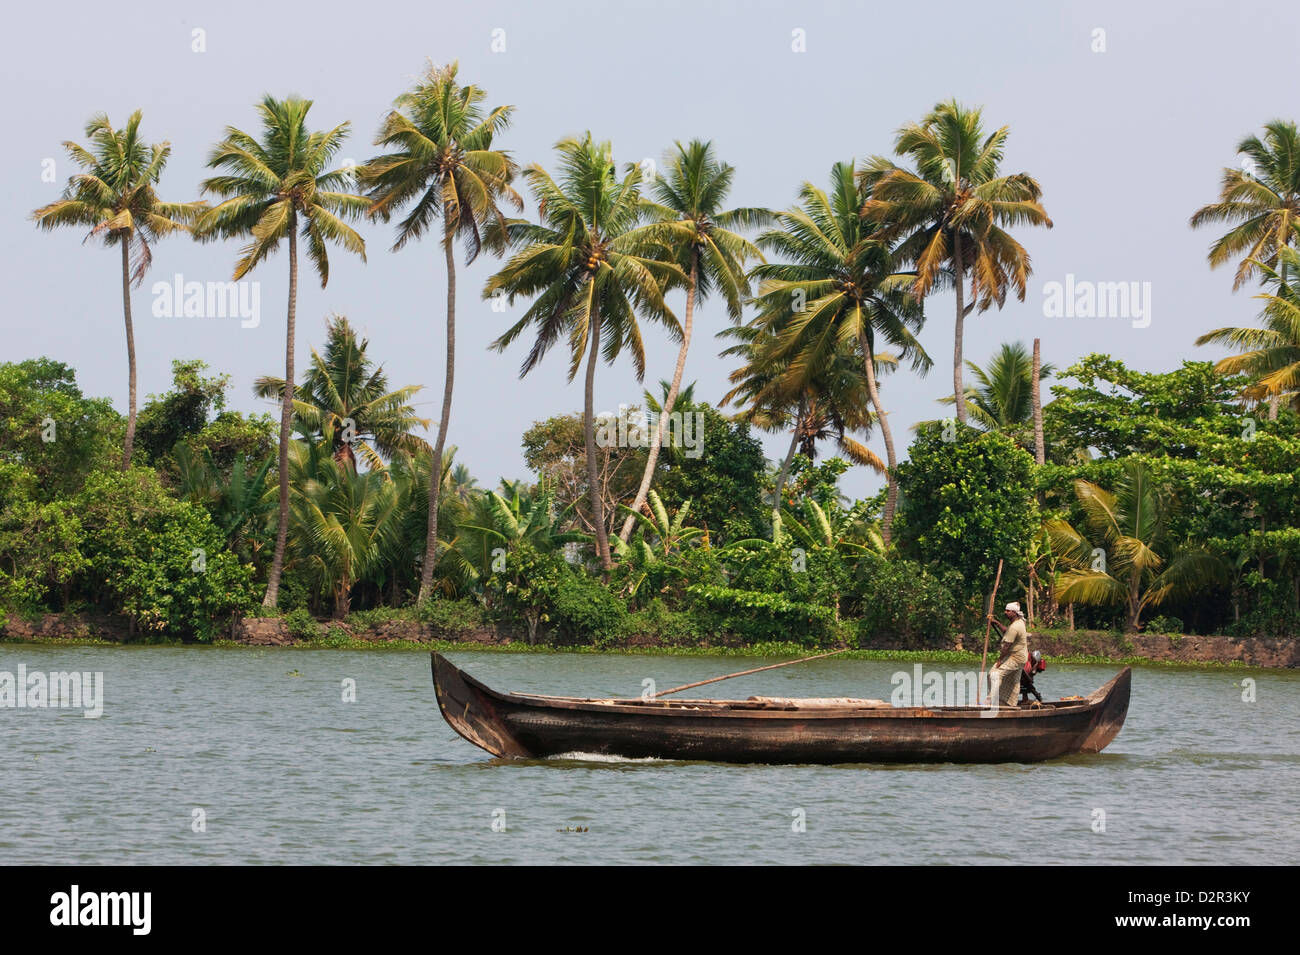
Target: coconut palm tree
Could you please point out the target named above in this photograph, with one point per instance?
(951, 214)
(699, 238)
(272, 189)
(443, 167)
(1002, 399)
(1128, 527)
(462, 483)
(342, 521)
(685, 399)
(838, 289)
(1270, 354)
(589, 267)
(832, 406)
(115, 198)
(345, 401)
(1261, 200)
(512, 520)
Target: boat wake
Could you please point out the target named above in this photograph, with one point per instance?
(605, 758)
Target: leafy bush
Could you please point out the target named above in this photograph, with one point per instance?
(672, 627)
(302, 625)
(724, 483)
(1274, 614)
(756, 615)
(525, 587)
(161, 562)
(40, 548)
(582, 610)
(362, 619)
(1164, 624)
(297, 590)
(47, 426)
(451, 618)
(901, 600)
(966, 503)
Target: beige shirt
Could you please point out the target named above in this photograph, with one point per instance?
(1015, 645)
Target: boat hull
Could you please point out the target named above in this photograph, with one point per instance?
(529, 726)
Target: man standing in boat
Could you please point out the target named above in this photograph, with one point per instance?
(1004, 678)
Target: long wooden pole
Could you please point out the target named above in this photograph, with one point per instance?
(988, 627)
(771, 666)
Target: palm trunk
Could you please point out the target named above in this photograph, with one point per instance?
(1275, 399)
(785, 465)
(958, 392)
(891, 497)
(1040, 452)
(435, 475)
(342, 599)
(589, 435)
(655, 442)
(130, 355)
(1134, 602)
(286, 422)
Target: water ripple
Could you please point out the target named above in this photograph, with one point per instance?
(285, 772)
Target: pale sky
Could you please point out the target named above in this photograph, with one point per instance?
(1127, 144)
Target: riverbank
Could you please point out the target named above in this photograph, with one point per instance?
(1082, 646)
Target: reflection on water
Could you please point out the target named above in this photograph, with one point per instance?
(286, 771)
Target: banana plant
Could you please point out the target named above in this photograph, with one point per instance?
(669, 533)
(1131, 526)
(1041, 573)
(845, 532)
(660, 536)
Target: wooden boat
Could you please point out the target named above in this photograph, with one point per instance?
(768, 730)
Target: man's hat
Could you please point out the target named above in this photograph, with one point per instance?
(1014, 607)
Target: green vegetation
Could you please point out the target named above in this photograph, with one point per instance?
(968, 501)
(1158, 501)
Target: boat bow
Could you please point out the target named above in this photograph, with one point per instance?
(470, 708)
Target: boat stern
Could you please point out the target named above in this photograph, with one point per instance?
(1109, 719)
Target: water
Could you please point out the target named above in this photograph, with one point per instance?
(285, 771)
